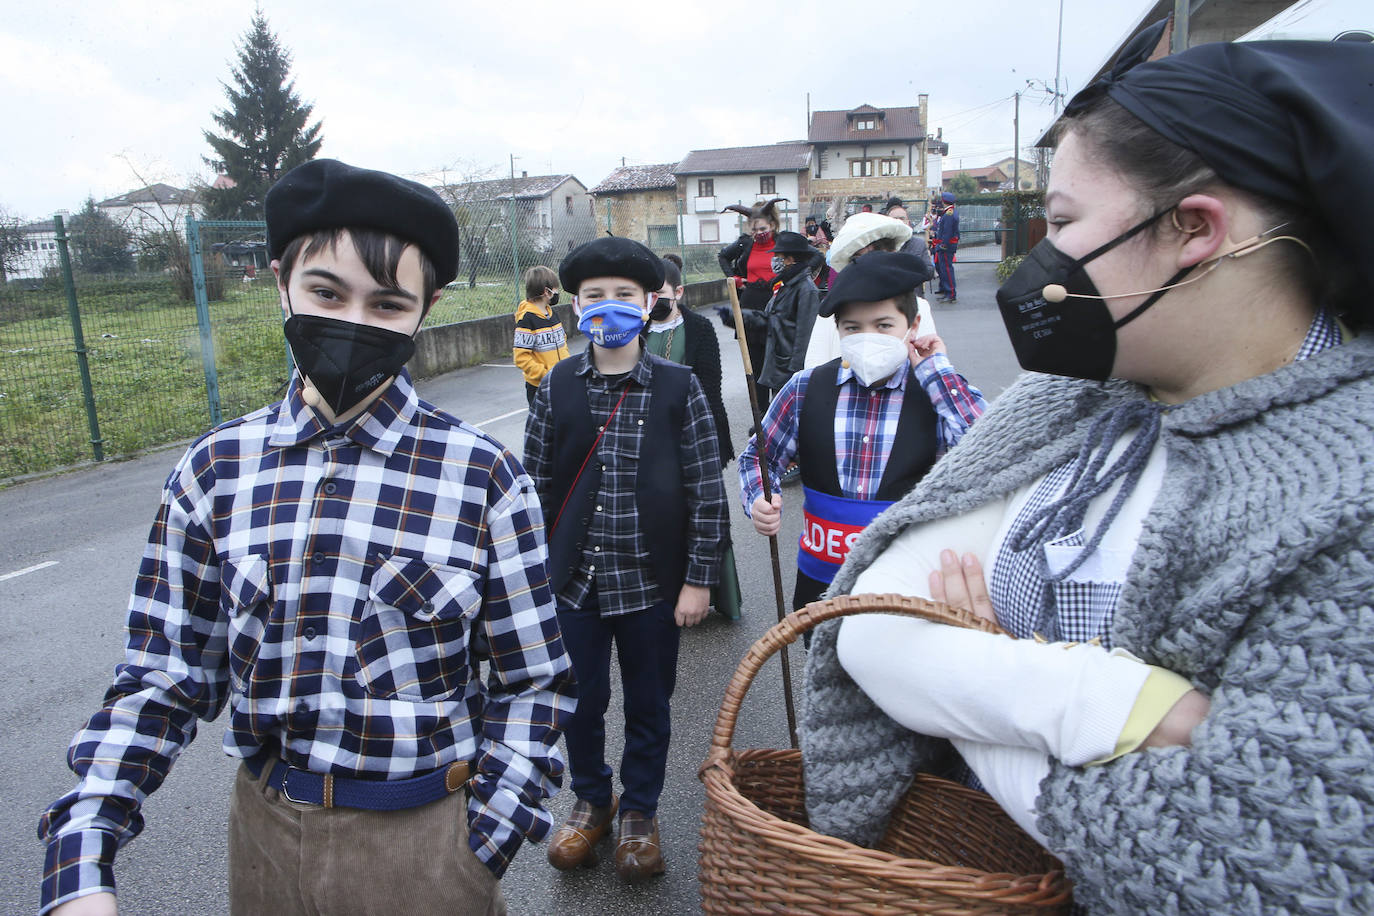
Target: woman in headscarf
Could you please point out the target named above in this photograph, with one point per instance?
(748, 263)
(1180, 506)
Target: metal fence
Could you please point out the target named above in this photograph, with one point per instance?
(93, 367)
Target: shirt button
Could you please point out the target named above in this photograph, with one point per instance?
(317, 558)
(330, 488)
(599, 509)
(309, 632)
(640, 422)
(603, 467)
(601, 429)
(865, 438)
(861, 488)
(592, 568)
(427, 607)
(302, 708)
(596, 549)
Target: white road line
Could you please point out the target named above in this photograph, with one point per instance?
(23, 572)
(499, 365)
(504, 416)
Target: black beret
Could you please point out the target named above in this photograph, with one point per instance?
(791, 243)
(328, 194)
(874, 277)
(611, 256)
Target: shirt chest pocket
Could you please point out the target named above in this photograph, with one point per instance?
(620, 445)
(414, 637)
(246, 599)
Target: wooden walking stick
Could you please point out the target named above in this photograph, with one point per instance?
(768, 496)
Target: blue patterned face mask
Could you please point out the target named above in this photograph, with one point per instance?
(611, 323)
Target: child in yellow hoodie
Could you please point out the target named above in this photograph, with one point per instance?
(540, 341)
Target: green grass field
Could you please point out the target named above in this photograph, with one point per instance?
(143, 348)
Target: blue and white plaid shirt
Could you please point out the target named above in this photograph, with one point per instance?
(865, 425)
(335, 587)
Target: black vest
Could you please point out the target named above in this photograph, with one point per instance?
(659, 491)
(913, 448)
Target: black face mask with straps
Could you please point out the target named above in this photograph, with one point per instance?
(344, 361)
(1074, 339)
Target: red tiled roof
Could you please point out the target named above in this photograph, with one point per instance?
(892, 124)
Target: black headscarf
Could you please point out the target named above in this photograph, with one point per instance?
(1288, 120)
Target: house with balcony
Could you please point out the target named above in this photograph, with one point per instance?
(640, 202)
(867, 154)
(709, 179)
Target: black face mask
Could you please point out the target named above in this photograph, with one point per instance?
(553, 300)
(661, 310)
(1066, 337)
(344, 361)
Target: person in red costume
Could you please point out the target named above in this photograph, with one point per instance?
(748, 262)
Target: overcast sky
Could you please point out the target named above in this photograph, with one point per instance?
(91, 92)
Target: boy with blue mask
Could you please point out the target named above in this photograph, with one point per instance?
(622, 448)
(333, 568)
(863, 428)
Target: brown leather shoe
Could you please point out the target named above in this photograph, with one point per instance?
(638, 855)
(573, 845)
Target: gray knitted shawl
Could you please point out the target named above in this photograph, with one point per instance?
(1253, 578)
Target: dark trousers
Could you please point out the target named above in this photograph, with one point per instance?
(530, 392)
(944, 266)
(804, 592)
(646, 644)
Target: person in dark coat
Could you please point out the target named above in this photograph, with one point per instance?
(685, 337)
(747, 261)
(791, 313)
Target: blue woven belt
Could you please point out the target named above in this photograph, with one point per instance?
(330, 791)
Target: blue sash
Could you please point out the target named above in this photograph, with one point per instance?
(830, 525)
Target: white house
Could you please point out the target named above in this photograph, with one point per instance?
(554, 213)
(709, 179)
(154, 208)
(39, 254)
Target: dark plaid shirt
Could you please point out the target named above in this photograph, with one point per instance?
(334, 588)
(616, 556)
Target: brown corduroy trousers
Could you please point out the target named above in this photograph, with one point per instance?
(289, 859)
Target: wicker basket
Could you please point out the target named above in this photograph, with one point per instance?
(948, 849)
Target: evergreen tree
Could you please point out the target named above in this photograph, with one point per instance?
(99, 244)
(264, 127)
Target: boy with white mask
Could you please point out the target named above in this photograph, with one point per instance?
(859, 428)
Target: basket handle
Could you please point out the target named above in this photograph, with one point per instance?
(786, 631)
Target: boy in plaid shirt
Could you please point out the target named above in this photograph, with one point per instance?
(332, 568)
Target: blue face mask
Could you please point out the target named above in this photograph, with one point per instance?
(611, 323)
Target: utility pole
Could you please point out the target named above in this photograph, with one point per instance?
(1016, 171)
(1058, 56)
(514, 248)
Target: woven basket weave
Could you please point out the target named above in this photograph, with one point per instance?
(948, 850)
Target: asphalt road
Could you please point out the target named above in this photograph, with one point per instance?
(69, 547)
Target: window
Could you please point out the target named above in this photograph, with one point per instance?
(706, 187)
(865, 123)
(568, 203)
(768, 184)
(710, 230)
(662, 237)
(860, 168)
(591, 209)
(890, 167)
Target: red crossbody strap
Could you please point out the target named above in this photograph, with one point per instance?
(572, 489)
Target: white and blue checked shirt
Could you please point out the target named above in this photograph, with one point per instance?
(1082, 608)
(865, 425)
(336, 588)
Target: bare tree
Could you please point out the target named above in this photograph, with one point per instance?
(165, 247)
(11, 243)
(462, 185)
